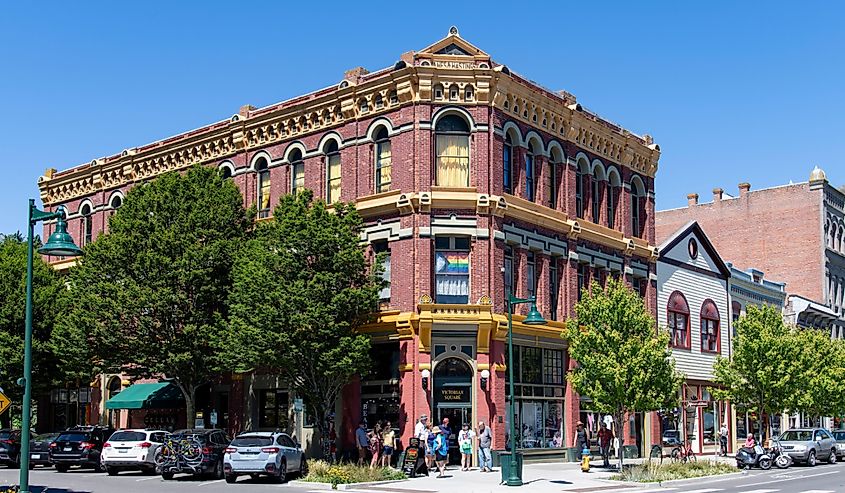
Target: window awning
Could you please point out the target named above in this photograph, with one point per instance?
(159, 395)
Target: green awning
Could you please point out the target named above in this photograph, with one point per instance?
(159, 395)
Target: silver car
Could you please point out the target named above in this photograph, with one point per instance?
(808, 445)
(263, 453)
(839, 436)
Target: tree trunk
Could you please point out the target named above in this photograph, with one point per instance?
(618, 420)
(188, 394)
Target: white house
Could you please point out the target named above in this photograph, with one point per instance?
(693, 305)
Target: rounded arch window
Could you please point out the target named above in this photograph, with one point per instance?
(87, 224)
(452, 151)
(677, 318)
(333, 173)
(116, 202)
(709, 327)
(114, 386)
(383, 160)
(297, 171)
(452, 367)
(263, 187)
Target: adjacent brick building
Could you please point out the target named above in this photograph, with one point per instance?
(476, 182)
(795, 233)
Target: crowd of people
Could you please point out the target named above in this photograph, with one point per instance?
(436, 442)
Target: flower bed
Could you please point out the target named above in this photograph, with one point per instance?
(650, 472)
(335, 474)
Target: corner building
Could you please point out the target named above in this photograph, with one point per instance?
(475, 182)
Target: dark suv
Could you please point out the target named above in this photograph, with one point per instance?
(10, 448)
(79, 446)
(193, 452)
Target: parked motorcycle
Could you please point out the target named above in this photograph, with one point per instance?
(781, 459)
(747, 458)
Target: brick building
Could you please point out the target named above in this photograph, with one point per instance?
(475, 182)
(795, 233)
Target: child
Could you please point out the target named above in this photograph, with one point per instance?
(465, 437)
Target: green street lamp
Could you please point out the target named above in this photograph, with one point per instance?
(534, 318)
(60, 243)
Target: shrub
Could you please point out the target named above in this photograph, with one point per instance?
(323, 472)
(650, 472)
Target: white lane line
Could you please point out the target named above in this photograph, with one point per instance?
(206, 483)
(760, 491)
(788, 479)
(147, 479)
(818, 491)
(655, 491)
(705, 490)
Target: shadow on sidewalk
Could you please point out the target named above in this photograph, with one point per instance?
(43, 489)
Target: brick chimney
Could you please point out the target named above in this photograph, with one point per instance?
(744, 187)
(245, 109)
(717, 194)
(354, 75)
(692, 199)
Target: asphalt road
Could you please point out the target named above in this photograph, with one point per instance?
(87, 481)
(823, 478)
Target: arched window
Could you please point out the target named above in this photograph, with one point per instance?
(678, 319)
(383, 161)
(507, 159)
(581, 175)
(452, 150)
(87, 224)
(709, 327)
(552, 179)
(613, 187)
(297, 166)
(530, 182)
(597, 192)
(115, 203)
(637, 206)
(332, 172)
(225, 172)
(263, 187)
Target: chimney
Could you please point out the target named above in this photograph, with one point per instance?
(744, 187)
(692, 199)
(717, 194)
(245, 109)
(354, 75)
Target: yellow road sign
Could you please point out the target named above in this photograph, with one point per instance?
(5, 403)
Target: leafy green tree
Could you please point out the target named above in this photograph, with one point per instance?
(821, 373)
(47, 289)
(149, 297)
(764, 372)
(301, 288)
(624, 362)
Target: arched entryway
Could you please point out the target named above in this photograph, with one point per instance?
(453, 398)
(114, 387)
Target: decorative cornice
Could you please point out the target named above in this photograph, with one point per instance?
(369, 95)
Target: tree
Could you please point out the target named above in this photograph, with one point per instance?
(821, 374)
(764, 373)
(149, 297)
(624, 362)
(301, 288)
(47, 288)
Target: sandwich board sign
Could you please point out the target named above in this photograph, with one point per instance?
(5, 403)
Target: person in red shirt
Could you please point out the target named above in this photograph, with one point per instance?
(605, 437)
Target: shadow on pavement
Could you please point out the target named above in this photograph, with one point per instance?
(43, 489)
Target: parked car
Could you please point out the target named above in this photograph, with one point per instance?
(671, 438)
(839, 436)
(263, 453)
(193, 452)
(132, 449)
(808, 445)
(39, 449)
(79, 446)
(10, 448)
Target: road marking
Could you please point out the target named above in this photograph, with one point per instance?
(705, 490)
(818, 491)
(760, 491)
(787, 479)
(206, 483)
(655, 491)
(147, 479)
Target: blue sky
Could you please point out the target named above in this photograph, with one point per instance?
(732, 91)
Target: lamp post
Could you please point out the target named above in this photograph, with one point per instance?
(534, 318)
(59, 243)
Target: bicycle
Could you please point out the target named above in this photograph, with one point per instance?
(683, 454)
(656, 453)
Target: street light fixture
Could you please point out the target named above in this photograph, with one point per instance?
(59, 243)
(533, 318)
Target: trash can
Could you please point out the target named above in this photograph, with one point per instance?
(505, 463)
(571, 454)
(630, 451)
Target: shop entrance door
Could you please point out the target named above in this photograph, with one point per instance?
(453, 399)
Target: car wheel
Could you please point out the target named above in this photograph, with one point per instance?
(61, 467)
(231, 478)
(811, 458)
(167, 476)
(303, 468)
(282, 473)
(16, 463)
(218, 470)
(111, 471)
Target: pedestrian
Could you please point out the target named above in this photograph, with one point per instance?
(581, 440)
(421, 428)
(485, 443)
(362, 441)
(375, 445)
(749, 441)
(388, 444)
(444, 428)
(429, 446)
(605, 437)
(465, 437)
(441, 449)
(723, 439)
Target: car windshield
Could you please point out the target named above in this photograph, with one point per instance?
(797, 436)
(252, 441)
(5, 434)
(72, 437)
(128, 436)
(46, 437)
(839, 435)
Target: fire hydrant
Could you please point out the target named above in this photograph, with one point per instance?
(585, 460)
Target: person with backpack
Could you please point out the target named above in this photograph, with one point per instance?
(465, 437)
(441, 450)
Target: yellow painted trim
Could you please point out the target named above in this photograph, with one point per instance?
(406, 367)
(499, 367)
(482, 366)
(424, 366)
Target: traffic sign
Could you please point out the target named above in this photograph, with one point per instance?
(5, 403)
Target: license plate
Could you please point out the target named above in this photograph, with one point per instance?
(35, 456)
(67, 449)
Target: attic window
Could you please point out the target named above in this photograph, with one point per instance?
(379, 102)
(438, 92)
(507, 104)
(453, 92)
(693, 248)
(363, 106)
(394, 99)
(453, 49)
(468, 93)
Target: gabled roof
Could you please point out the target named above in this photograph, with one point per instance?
(454, 44)
(694, 228)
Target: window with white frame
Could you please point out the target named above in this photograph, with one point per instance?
(263, 188)
(383, 161)
(87, 224)
(451, 269)
(452, 151)
(333, 174)
(297, 166)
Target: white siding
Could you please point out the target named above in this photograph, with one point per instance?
(696, 288)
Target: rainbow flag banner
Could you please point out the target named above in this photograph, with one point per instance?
(452, 263)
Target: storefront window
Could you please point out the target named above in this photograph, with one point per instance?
(380, 392)
(539, 401)
(273, 409)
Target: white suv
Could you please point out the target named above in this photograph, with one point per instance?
(132, 449)
(264, 453)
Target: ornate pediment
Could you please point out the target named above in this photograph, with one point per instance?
(449, 51)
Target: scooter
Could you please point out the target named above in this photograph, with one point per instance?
(747, 458)
(782, 460)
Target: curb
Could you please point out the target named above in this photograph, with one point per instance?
(342, 487)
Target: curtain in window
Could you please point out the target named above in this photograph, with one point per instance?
(453, 160)
(383, 164)
(264, 192)
(334, 178)
(298, 177)
(452, 277)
